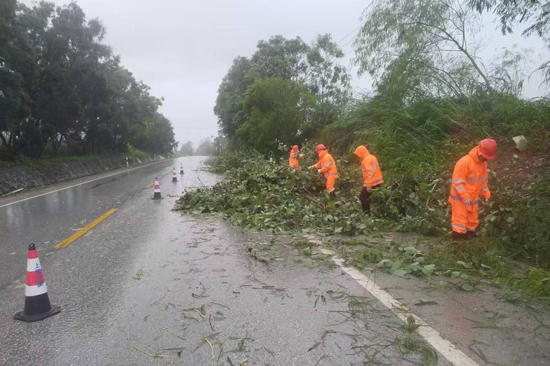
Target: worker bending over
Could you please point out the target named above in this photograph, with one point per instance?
(327, 167)
(468, 183)
(372, 175)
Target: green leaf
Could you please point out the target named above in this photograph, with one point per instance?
(465, 265)
(384, 263)
(420, 260)
(399, 272)
(410, 250)
(467, 287)
(396, 265)
(455, 274)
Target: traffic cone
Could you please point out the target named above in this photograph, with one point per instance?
(181, 169)
(157, 195)
(37, 302)
(174, 176)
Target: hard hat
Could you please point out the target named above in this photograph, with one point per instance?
(488, 148)
(295, 148)
(320, 147)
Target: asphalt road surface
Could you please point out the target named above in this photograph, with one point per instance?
(148, 285)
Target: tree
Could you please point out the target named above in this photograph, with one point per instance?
(534, 13)
(62, 87)
(328, 80)
(278, 110)
(187, 149)
(280, 57)
(229, 103)
(423, 45)
(205, 148)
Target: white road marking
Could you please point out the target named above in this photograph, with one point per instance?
(443, 346)
(79, 184)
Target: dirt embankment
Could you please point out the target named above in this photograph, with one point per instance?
(17, 177)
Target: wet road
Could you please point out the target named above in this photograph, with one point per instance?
(150, 286)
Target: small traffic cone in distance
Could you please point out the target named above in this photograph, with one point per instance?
(174, 176)
(157, 195)
(181, 169)
(37, 302)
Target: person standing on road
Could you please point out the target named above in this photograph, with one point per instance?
(469, 181)
(327, 167)
(372, 176)
(293, 161)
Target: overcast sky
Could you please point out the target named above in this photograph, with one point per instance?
(182, 48)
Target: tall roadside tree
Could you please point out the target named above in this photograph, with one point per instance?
(280, 57)
(534, 15)
(278, 110)
(229, 103)
(64, 89)
(328, 80)
(421, 47)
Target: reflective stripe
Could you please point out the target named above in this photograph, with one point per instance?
(458, 181)
(484, 188)
(482, 179)
(459, 226)
(467, 202)
(369, 169)
(470, 229)
(33, 265)
(378, 181)
(459, 188)
(370, 175)
(330, 175)
(36, 290)
(329, 164)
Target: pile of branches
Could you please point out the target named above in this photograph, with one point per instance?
(266, 194)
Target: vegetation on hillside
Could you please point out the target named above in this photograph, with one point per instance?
(64, 92)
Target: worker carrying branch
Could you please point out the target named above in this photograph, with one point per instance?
(469, 181)
(293, 161)
(327, 167)
(372, 176)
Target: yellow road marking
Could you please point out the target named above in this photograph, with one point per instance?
(81, 232)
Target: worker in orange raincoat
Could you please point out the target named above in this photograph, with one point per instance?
(468, 183)
(293, 161)
(327, 167)
(372, 175)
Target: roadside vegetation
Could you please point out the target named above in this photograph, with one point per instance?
(63, 92)
(434, 99)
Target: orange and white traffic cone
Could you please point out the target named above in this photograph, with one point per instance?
(157, 195)
(174, 176)
(37, 302)
(181, 169)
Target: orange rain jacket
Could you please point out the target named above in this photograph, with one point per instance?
(327, 165)
(293, 162)
(372, 175)
(468, 183)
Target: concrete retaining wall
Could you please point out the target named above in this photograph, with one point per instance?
(14, 178)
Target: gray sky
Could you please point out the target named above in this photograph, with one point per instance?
(183, 48)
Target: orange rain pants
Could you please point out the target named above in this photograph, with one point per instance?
(327, 166)
(469, 182)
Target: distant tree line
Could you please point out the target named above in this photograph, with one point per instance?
(207, 147)
(62, 91)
